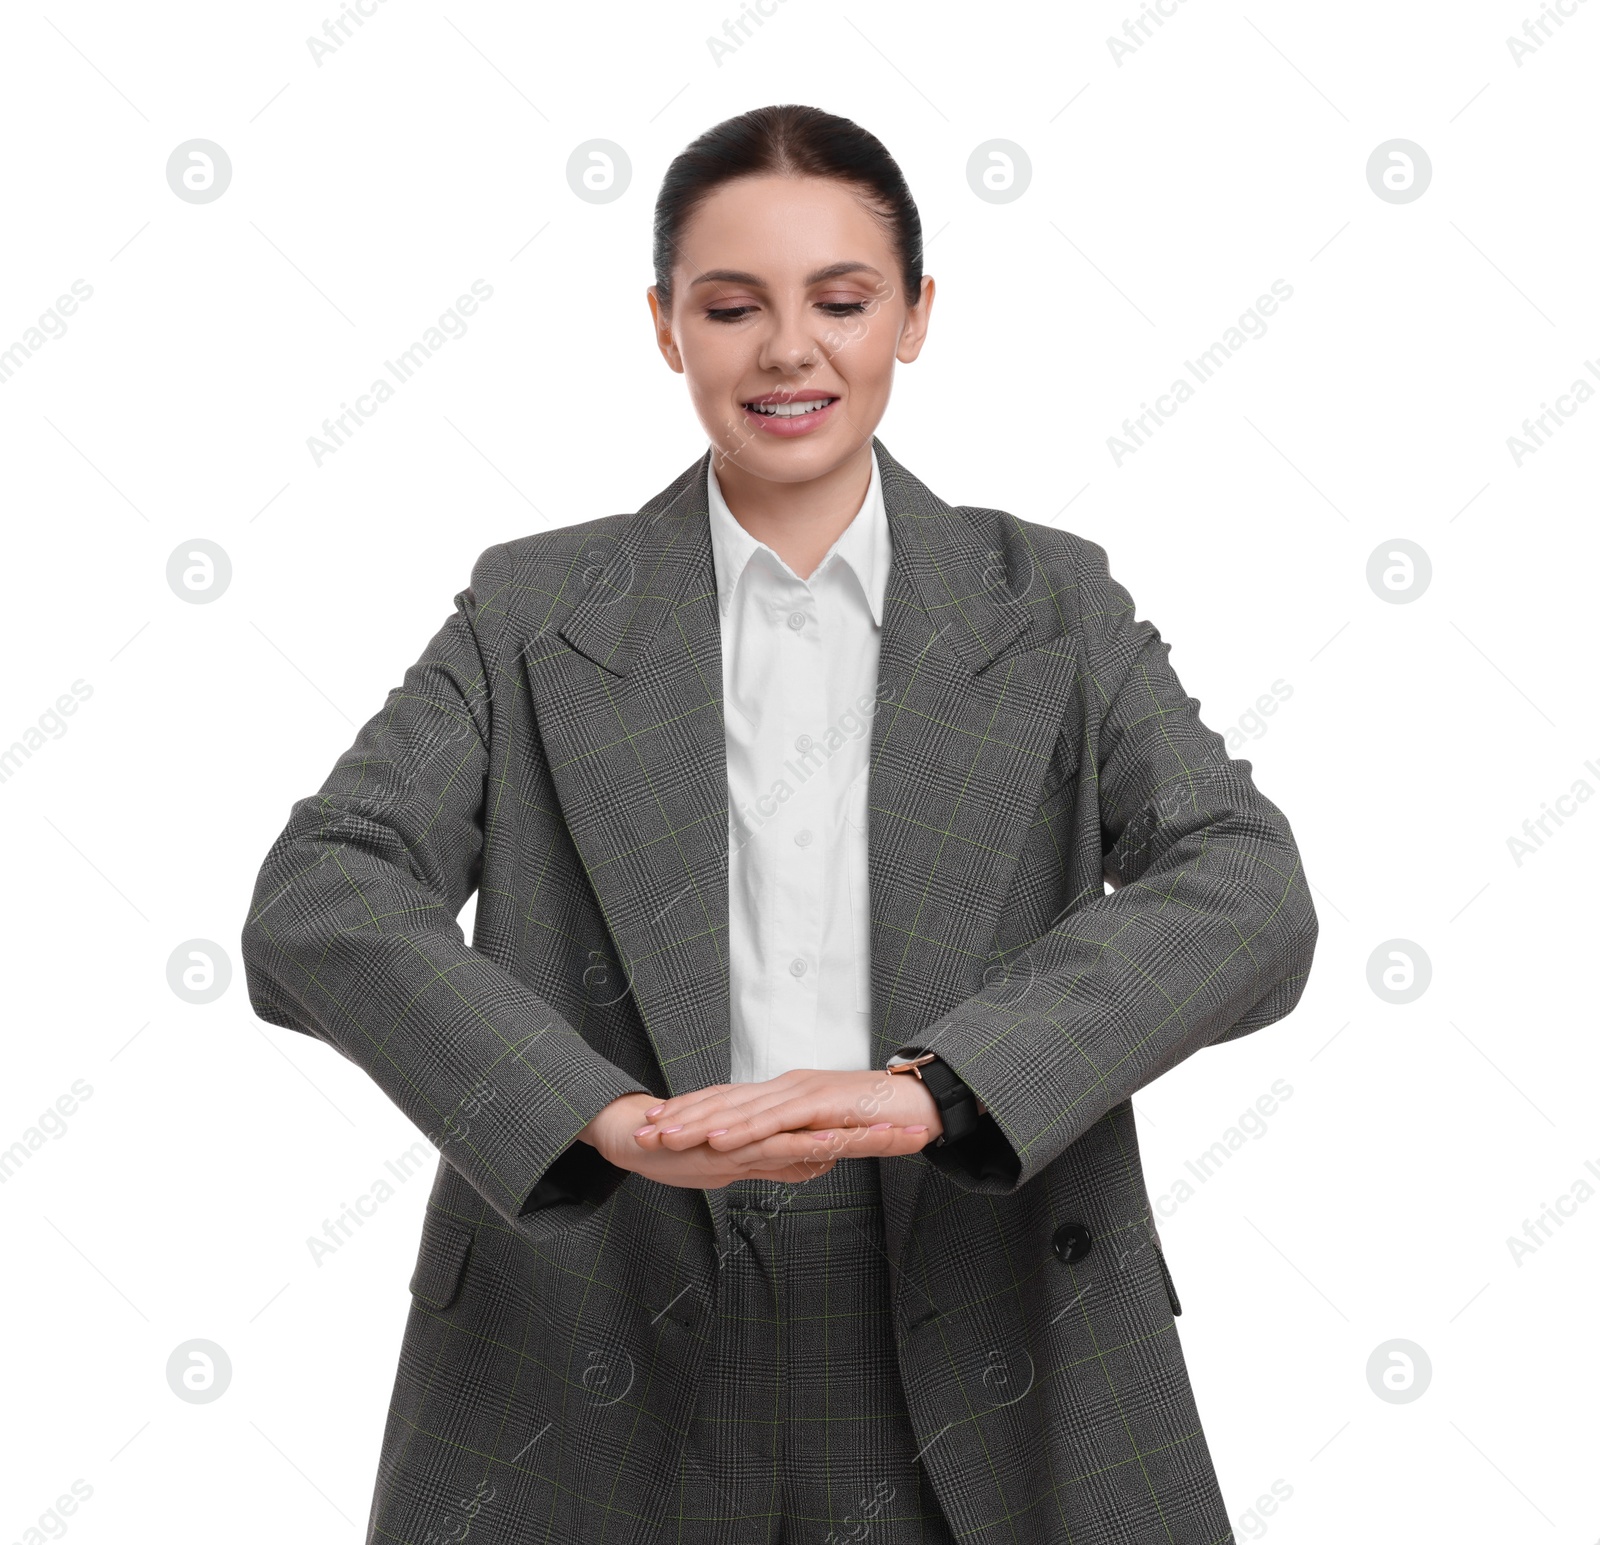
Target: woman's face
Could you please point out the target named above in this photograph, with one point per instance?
(786, 291)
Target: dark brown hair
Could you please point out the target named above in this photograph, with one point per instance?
(793, 141)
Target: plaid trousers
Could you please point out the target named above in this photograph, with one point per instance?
(801, 1435)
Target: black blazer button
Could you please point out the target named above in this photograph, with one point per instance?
(1071, 1242)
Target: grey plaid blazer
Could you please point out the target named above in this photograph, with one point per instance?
(558, 748)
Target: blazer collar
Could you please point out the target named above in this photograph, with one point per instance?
(951, 573)
(863, 545)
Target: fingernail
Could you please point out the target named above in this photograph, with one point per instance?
(677, 1128)
(821, 1135)
(918, 1128)
(717, 1133)
(657, 1111)
(880, 1126)
(642, 1130)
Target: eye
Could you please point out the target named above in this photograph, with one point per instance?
(836, 308)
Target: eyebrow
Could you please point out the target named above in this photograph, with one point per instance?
(738, 276)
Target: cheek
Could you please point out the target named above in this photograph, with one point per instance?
(716, 351)
(867, 370)
(701, 348)
(715, 367)
(864, 354)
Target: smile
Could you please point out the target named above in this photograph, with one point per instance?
(788, 409)
(794, 419)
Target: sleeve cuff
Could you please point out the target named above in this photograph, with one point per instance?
(578, 1180)
(983, 1161)
(580, 1177)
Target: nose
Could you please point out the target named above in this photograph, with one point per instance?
(793, 343)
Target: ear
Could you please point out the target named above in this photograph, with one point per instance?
(915, 331)
(663, 326)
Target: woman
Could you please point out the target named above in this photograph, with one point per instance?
(791, 802)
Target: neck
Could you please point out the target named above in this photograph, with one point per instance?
(798, 521)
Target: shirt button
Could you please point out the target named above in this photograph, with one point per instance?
(803, 839)
(803, 743)
(797, 967)
(797, 620)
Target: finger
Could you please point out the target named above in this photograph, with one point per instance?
(780, 1151)
(853, 1142)
(712, 1108)
(677, 1110)
(805, 1110)
(676, 1102)
(735, 1125)
(881, 1139)
(674, 1109)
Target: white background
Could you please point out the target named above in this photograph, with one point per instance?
(1167, 193)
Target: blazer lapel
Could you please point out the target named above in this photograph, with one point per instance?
(628, 702)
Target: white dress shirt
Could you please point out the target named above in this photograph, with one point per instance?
(799, 683)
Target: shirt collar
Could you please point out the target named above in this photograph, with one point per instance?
(863, 545)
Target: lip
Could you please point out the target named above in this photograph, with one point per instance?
(792, 428)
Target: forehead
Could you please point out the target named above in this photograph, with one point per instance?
(780, 226)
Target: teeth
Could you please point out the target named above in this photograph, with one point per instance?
(789, 409)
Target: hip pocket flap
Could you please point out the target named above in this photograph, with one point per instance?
(441, 1261)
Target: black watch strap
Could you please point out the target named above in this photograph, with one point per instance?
(958, 1105)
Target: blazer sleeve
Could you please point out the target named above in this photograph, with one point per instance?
(1208, 935)
(352, 938)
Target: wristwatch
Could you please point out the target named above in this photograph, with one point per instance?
(959, 1107)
